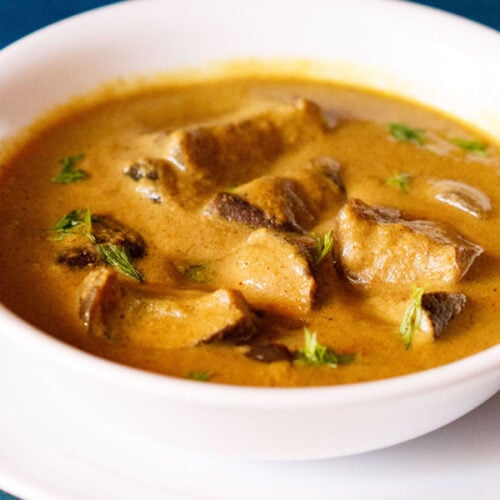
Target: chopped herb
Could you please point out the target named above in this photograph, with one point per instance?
(412, 316)
(69, 173)
(195, 272)
(315, 354)
(324, 244)
(400, 181)
(118, 258)
(402, 132)
(200, 376)
(77, 221)
(470, 146)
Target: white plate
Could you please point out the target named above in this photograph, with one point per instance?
(460, 461)
(51, 387)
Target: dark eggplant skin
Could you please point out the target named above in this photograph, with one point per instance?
(269, 353)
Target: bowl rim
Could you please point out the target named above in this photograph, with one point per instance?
(78, 360)
(480, 39)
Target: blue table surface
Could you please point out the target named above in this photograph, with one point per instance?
(20, 17)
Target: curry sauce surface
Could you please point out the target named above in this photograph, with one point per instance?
(108, 133)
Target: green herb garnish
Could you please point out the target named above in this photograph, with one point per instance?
(69, 173)
(118, 258)
(324, 244)
(315, 354)
(470, 146)
(200, 375)
(77, 221)
(400, 181)
(412, 316)
(195, 272)
(402, 132)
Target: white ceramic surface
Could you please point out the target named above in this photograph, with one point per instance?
(460, 462)
(444, 61)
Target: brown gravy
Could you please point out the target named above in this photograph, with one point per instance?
(345, 317)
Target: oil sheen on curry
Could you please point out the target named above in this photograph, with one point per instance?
(255, 231)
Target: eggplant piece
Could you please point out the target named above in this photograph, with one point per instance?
(233, 152)
(438, 309)
(115, 309)
(99, 293)
(466, 198)
(78, 256)
(273, 272)
(143, 169)
(79, 252)
(330, 168)
(107, 230)
(376, 245)
(293, 202)
(236, 208)
(155, 178)
(320, 186)
(269, 353)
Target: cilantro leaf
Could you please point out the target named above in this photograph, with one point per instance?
(315, 354)
(200, 375)
(198, 273)
(118, 258)
(402, 132)
(412, 316)
(470, 146)
(69, 173)
(400, 181)
(77, 221)
(324, 244)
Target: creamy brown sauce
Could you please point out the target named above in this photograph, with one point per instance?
(344, 318)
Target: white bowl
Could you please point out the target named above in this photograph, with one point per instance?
(431, 57)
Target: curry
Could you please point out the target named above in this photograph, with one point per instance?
(252, 231)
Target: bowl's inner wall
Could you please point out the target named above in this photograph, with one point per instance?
(428, 67)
